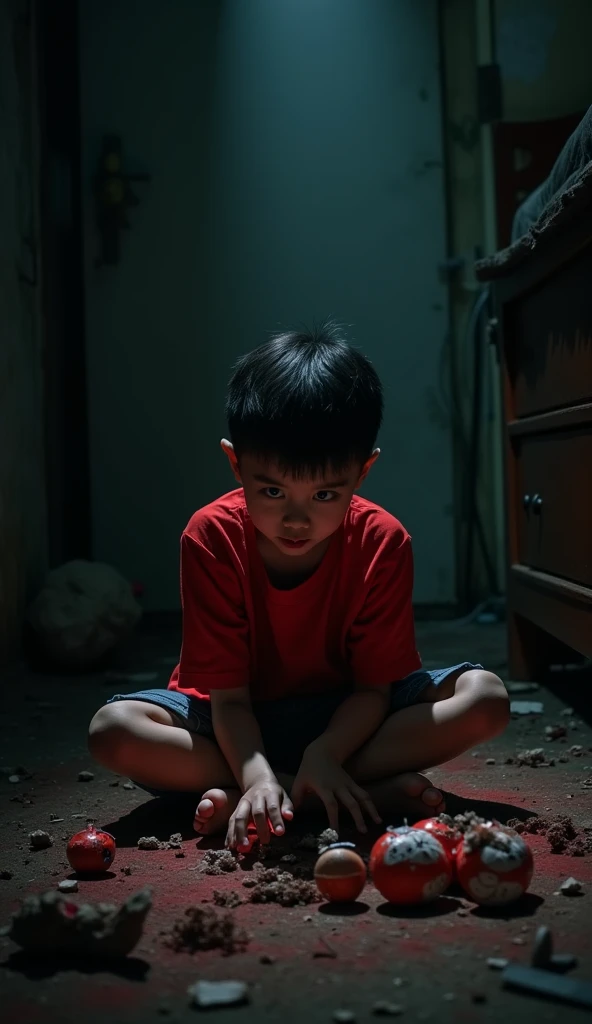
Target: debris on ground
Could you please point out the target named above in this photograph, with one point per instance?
(535, 758)
(205, 928)
(149, 843)
(68, 885)
(226, 898)
(490, 760)
(555, 732)
(40, 840)
(542, 950)
(526, 707)
(5, 875)
(152, 843)
(497, 963)
(544, 983)
(382, 1008)
(562, 962)
(265, 958)
(344, 1016)
(218, 993)
(576, 750)
(51, 924)
(323, 950)
(567, 713)
(275, 886)
(85, 776)
(129, 785)
(571, 887)
(219, 862)
(318, 843)
(462, 822)
(327, 838)
(560, 832)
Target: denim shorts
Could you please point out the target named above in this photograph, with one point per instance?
(288, 724)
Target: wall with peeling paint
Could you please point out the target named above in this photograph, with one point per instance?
(22, 486)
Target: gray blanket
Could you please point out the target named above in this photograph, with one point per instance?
(565, 194)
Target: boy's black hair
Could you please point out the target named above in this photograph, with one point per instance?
(307, 402)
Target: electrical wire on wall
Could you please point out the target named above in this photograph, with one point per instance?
(468, 438)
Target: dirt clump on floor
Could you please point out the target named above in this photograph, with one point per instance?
(560, 832)
(270, 885)
(226, 898)
(219, 862)
(152, 843)
(205, 928)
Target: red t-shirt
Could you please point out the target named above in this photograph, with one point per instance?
(351, 621)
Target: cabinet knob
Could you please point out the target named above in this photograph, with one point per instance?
(526, 501)
(537, 502)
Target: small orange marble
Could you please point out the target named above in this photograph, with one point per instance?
(340, 873)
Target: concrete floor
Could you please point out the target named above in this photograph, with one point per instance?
(430, 962)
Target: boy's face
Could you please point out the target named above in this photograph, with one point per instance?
(295, 515)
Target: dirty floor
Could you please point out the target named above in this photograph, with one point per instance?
(302, 961)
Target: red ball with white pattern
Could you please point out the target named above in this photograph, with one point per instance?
(408, 865)
(494, 865)
(449, 837)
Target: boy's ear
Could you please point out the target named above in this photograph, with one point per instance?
(368, 466)
(228, 450)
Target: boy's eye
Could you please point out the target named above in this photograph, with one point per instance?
(323, 496)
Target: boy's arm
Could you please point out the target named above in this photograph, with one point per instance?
(357, 718)
(239, 736)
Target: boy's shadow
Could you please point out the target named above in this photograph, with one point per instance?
(161, 817)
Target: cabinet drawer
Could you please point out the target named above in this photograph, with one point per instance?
(548, 341)
(555, 493)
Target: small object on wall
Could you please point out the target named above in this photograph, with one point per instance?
(113, 198)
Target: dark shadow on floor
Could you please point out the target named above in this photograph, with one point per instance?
(37, 967)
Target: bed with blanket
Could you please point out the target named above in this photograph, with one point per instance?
(541, 305)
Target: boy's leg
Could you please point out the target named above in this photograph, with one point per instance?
(465, 709)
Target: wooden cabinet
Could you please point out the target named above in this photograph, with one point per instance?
(542, 306)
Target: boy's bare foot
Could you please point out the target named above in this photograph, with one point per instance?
(409, 794)
(214, 810)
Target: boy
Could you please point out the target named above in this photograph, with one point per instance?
(299, 680)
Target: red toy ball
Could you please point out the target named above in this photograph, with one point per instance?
(340, 873)
(91, 851)
(494, 865)
(449, 837)
(409, 865)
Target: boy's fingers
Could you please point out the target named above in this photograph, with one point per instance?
(241, 820)
(287, 808)
(260, 818)
(349, 801)
(275, 817)
(331, 806)
(363, 798)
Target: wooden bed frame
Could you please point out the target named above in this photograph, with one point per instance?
(542, 309)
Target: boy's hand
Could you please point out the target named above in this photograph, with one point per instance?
(322, 774)
(265, 802)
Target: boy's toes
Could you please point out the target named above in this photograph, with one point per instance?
(432, 797)
(214, 810)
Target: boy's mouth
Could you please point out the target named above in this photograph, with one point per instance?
(294, 543)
